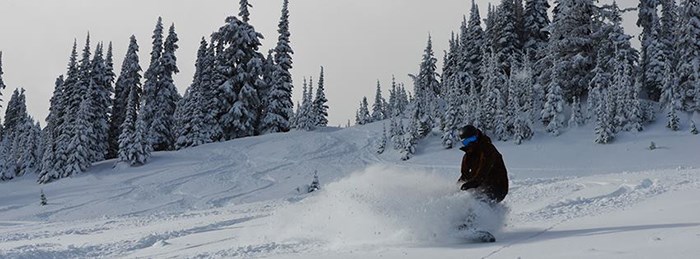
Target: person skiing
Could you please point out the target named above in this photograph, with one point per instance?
(483, 169)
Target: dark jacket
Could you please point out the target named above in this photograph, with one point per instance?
(483, 169)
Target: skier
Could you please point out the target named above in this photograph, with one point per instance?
(484, 174)
(483, 170)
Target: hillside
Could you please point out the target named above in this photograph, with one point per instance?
(569, 197)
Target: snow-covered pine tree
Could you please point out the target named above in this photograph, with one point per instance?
(381, 143)
(50, 166)
(668, 28)
(211, 128)
(281, 108)
(264, 89)
(161, 132)
(17, 130)
(129, 78)
(78, 159)
(648, 20)
(396, 132)
(635, 116)
(505, 35)
(494, 79)
(521, 125)
(363, 116)
(29, 153)
(500, 119)
(577, 119)
(427, 85)
(244, 13)
(320, 109)
(126, 140)
(688, 49)
(603, 129)
(377, 109)
(536, 23)
(152, 74)
(305, 117)
(240, 70)
(100, 90)
(411, 136)
(7, 165)
(189, 115)
(571, 50)
(672, 116)
(393, 99)
(472, 42)
(134, 148)
(315, 184)
(454, 116)
(2, 83)
(42, 198)
(552, 114)
(693, 129)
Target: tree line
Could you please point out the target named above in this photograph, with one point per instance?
(521, 70)
(95, 114)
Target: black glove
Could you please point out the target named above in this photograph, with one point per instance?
(469, 185)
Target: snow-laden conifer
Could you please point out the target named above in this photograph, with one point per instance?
(320, 108)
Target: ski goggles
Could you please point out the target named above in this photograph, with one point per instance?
(468, 141)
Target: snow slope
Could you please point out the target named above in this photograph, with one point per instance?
(569, 198)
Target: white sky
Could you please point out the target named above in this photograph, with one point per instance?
(357, 41)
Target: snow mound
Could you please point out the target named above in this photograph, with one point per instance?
(384, 205)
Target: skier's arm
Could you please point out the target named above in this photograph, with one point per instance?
(476, 178)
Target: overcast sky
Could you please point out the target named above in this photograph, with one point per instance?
(357, 41)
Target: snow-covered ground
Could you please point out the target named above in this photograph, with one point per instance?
(570, 198)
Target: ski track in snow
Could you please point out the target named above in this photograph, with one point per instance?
(236, 199)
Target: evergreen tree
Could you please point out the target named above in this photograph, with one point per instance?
(7, 165)
(280, 109)
(43, 201)
(506, 38)
(2, 83)
(377, 108)
(189, 113)
(30, 149)
(161, 134)
(134, 148)
(78, 160)
(577, 118)
(315, 184)
(472, 41)
(693, 129)
(571, 47)
(244, 13)
(411, 136)
(152, 77)
(129, 80)
(209, 102)
(536, 23)
(603, 130)
(320, 109)
(672, 116)
(54, 122)
(427, 85)
(381, 144)
(651, 48)
(554, 106)
(100, 92)
(688, 48)
(363, 117)
(240, 69)
(397, 132)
